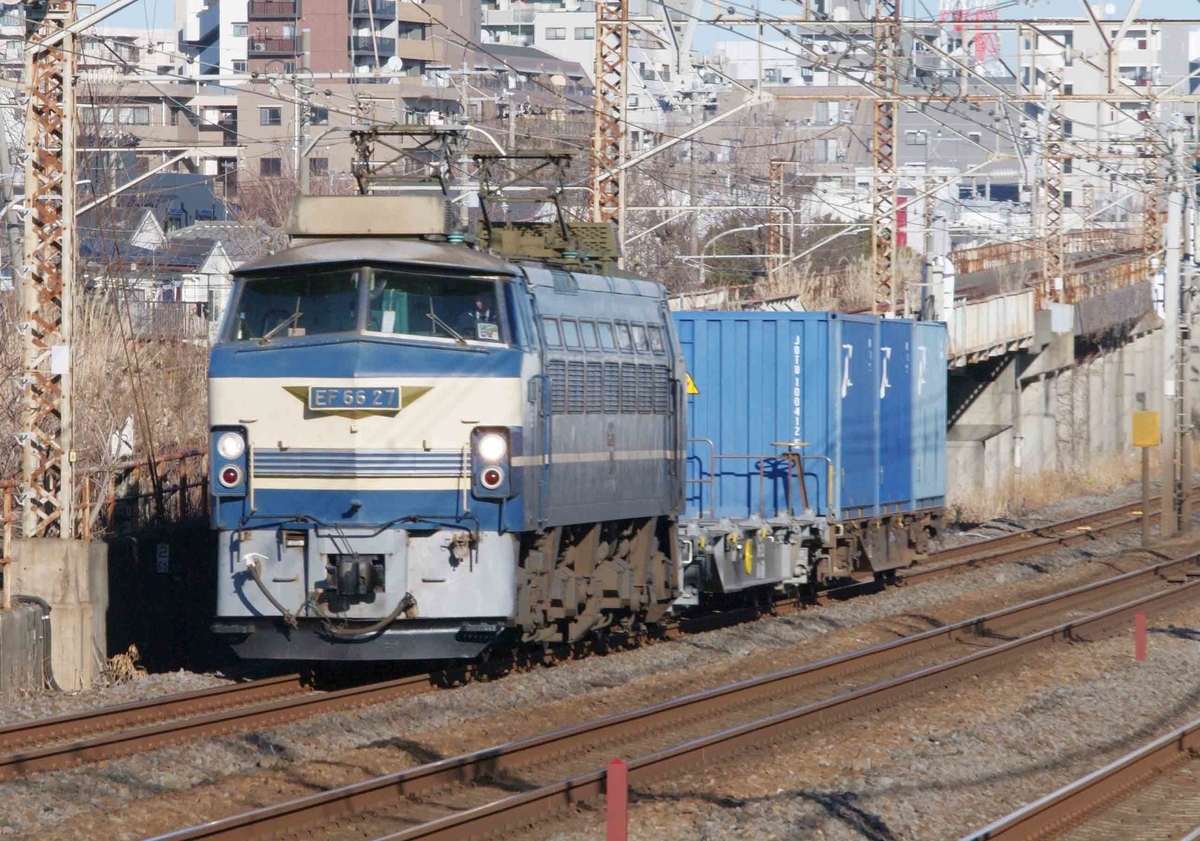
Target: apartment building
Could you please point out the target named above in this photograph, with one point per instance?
(362, 37)
(106, 54)
(1148, 56)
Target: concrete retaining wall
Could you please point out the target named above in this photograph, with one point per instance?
(1048, 410)
(73, 577)
(20, 650)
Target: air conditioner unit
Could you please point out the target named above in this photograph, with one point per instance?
(260, 47)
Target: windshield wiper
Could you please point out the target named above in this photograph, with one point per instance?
(453, 333)
(291, 319)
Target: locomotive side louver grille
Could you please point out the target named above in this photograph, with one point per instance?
(575, 388)
(662, 390)
(612, 387)
(595, 388)
(628, 388)
(645, 389)
(557, 371)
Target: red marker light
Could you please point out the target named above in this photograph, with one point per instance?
(231, 476)
(491, 478)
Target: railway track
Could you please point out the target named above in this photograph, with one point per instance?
(64, 741)
(472, 795)
(1028, 542)
(51, 744)
(1147, 795)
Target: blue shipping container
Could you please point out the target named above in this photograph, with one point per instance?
(842, 389)
(895, 415)
(929, 384)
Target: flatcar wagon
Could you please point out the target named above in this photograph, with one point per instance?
(816, 448)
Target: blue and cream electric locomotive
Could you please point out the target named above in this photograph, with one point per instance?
(420, 448)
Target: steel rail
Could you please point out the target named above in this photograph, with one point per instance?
(381, 792)
(126, 727)
(1075, 801)
(544, 801)
(267, 713)
(124, 716)
(1027, 542)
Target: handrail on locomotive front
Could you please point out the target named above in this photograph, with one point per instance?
(790, 458)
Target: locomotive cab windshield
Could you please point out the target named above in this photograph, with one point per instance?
(393, 301)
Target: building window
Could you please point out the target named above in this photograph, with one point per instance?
(974, 136)
(556, 33)
(320, 116)
(916, 138)
(136, 116)
(318, 166)
(241, 30)
(585, 33)
(289, 30)
(270, 116)
(1067, 198)
(289, 67)
(1068, 166)
(239, 65)
(164, 70)
(411, 31)
(270, 167)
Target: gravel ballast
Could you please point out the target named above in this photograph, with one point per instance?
(179, 785)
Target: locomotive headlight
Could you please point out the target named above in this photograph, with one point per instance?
(492, 446)
(231, 445)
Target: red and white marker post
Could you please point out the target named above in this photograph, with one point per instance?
(616, 793)
(1139, 637)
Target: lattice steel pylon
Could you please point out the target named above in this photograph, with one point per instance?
(1154, 217)
(883, 148)
(775, 220)
(608, 135)
(49, 273)
(1053, 258)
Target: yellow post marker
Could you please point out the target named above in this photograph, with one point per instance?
(1146, 435)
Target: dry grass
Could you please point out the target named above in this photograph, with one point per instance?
(1020, 495)
(848, 287)
(160, 382)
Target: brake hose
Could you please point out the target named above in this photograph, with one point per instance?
(407, 603)
(289, 618)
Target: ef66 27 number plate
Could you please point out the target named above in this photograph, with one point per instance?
(362, 399)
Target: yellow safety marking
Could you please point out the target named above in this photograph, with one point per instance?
(1083, 528)
(691, 385)
(1137, 513)
(749, 557)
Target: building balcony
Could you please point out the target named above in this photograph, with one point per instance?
(508, 17)
(273, 10)
(377, 9)
(364, 45)
(264, 47)
(411, 49)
